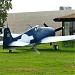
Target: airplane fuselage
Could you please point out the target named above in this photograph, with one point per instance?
(31, 36)
(40, 33)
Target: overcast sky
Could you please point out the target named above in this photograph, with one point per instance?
(39, 5)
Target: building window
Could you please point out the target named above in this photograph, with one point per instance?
(69, 28)
(66, 28)
(73, 28)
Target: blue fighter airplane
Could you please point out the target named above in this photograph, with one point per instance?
(32, 37)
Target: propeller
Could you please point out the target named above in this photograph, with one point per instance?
(58, 29)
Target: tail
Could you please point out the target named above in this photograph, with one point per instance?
(7, 39)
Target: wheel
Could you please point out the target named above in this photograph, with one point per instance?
(50, 43)
(10, 51)
(56, 47)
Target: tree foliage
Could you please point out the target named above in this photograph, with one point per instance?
(5, 5)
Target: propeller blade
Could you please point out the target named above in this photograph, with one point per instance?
(30, 26)
(45, 25)
(58, 29)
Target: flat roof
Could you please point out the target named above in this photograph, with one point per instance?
(66, 18)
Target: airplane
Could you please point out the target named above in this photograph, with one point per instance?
(32, 37)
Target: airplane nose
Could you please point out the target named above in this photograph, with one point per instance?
(52, 31)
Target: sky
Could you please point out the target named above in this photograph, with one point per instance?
(39, 5)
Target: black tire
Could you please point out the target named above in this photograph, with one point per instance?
(56, 47)
(10, 51)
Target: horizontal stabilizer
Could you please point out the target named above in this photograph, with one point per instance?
(18, 43)
(1, 43)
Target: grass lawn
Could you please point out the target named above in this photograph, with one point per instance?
(24, 61)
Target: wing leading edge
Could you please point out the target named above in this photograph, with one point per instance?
(57, 38)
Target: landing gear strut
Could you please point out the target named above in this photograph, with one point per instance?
(34, 47)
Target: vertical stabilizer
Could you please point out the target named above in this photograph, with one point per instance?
(7, 39)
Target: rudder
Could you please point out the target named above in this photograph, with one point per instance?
(7, 39)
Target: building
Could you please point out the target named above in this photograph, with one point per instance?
(68, 24)
(19, 22)
(65, 8)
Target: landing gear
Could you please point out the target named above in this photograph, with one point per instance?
(56, 47)
(34, 47)
(51, 43)
(10, 51)
(36, 50)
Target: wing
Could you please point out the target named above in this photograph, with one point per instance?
(18, 43)
(57, 38)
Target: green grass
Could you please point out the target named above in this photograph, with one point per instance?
(24, 61)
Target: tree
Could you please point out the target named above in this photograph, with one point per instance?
(5, 5)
